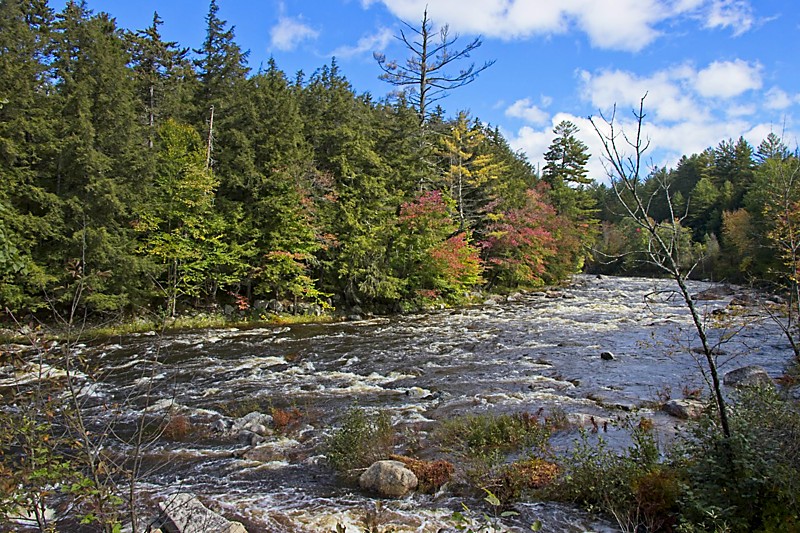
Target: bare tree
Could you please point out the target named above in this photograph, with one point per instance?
(426, 73)
(664, 238)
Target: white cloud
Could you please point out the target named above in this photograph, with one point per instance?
(528, 111)
(628, 25)
(726, 79)
(688, 109)
(734, 14)
(367, 44)
(667, 95)
(288, 33)
(777, 98)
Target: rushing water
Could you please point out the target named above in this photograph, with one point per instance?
(539, 350)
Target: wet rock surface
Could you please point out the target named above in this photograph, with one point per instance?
(684, 409)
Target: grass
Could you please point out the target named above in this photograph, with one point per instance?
(181, 323)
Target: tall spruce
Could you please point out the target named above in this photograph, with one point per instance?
(29, 214)
(98, 161)
(358, 208)
(163, 77)
(566, 173)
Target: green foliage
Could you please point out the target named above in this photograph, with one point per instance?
(631, 486)
(485, 436)
(750, 481)
(361, 440)
(470, 521)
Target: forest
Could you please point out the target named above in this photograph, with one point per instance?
(139, 176)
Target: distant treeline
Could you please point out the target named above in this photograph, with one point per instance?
(138, 174)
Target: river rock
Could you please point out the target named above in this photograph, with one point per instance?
(684, 409)
(714, 293)
(748, 376)
(255, 422)
(184, 513)
(606, 356)
(390, 479)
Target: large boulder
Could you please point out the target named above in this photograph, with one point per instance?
(748, 376)
(684, 409)
(184, 513)
(390, 479)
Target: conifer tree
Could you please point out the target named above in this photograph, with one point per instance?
(358, 208)
(566, 173)
(164, 77)
(99, 159)
(29, 214)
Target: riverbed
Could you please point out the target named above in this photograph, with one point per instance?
(532, 352)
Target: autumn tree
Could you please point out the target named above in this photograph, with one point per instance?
(433, 257)
(429, 73)
(467, 172)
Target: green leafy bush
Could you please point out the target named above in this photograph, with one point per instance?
(751, 481)
(632, 485)
(483, 435)
(361, 440)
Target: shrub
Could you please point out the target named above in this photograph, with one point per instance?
(177, 428)
(430, 474)
(518, 477)
(286, 419)
(360, 441)
(483, 435)
(750, 481)
(632, 486)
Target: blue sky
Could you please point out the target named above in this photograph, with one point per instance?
(713, 69)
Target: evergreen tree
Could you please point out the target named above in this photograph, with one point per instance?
(98, 162)
(278, 203)
(164, 77)
(29, 214)
(565, 171)
(358, 206)
(566, 174)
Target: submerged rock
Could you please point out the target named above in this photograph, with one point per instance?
(684, 409)
(714, 293)
(184, 513)
(606, 356)
(748, 376)
(390, 479)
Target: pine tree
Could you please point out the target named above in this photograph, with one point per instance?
(566, 173)
(29, 214)
(357, 206)
(164, 77)
(99, 160)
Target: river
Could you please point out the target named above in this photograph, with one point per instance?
(533, 351)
